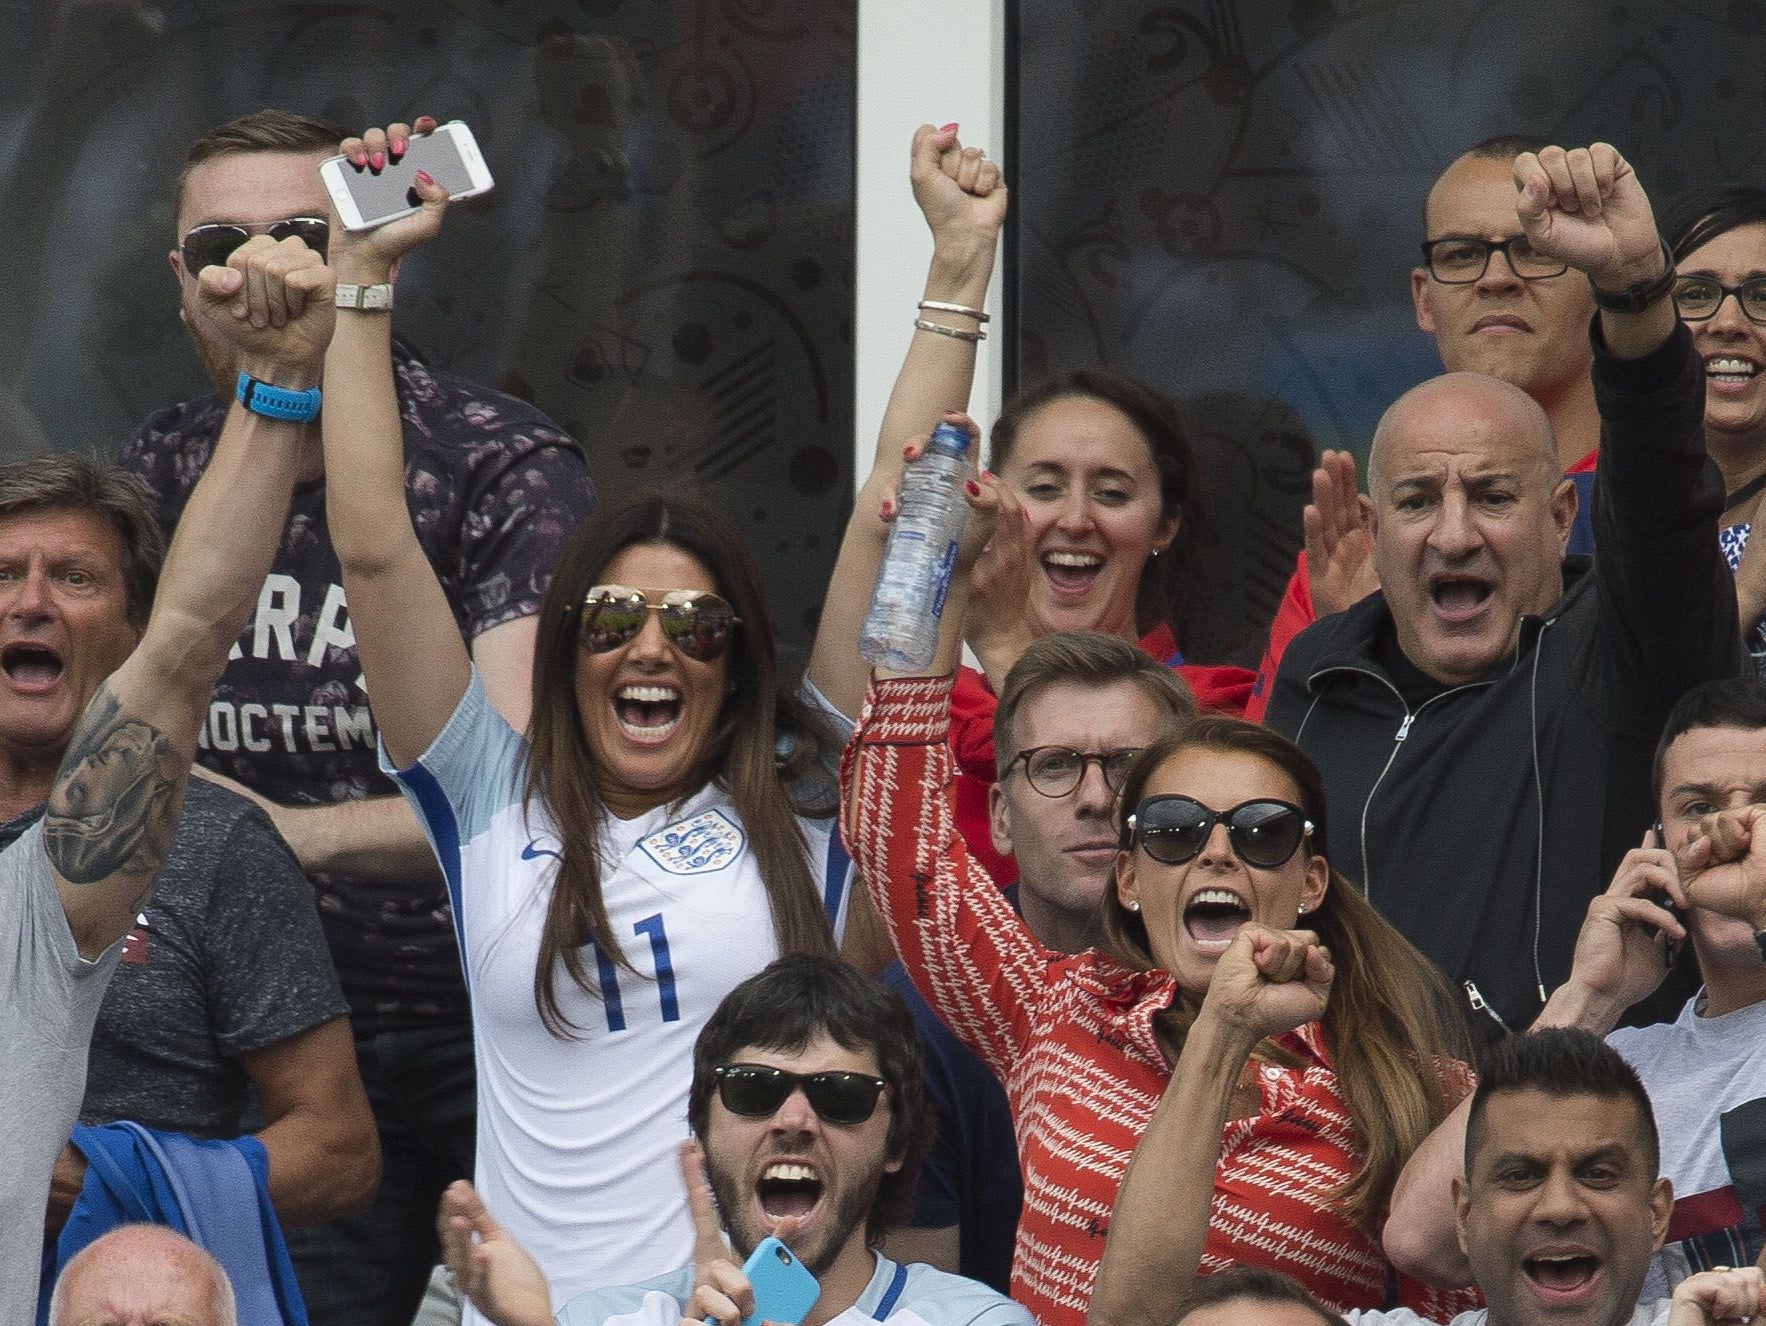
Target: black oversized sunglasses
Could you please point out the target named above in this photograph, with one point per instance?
(696, 623)
(757, 1090)
(1263, 833)
(212, 244)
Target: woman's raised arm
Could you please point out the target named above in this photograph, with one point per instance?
(414, 663)
(963, 198)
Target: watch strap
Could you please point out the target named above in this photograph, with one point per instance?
(273, 402)
(1638, 297)
(364, 298)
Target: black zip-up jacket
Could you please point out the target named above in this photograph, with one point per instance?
(1436, 812)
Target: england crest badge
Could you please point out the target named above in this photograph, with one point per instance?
(696, 846)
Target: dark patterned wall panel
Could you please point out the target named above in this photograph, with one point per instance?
(666, 265)
(1226, 198)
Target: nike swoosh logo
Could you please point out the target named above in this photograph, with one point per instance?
(533, 852)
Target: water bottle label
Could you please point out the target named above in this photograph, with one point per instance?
(941, 586)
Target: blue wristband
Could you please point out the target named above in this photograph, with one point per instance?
(277, 402)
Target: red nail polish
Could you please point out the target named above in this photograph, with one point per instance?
(907, 452)
(946, 128)
(359, 160)
(972, 488)
(988, 474)
(425, 177)
(397, 148)
(378, 161)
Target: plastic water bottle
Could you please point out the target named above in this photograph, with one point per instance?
(901, 628)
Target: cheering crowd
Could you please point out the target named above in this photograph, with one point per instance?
(1419, 976)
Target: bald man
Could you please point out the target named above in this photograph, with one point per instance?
(1484, 724)
(143, 1274)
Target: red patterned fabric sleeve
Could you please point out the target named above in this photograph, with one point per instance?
(959, 939)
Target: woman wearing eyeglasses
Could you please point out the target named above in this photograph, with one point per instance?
(661, 832)
(1719, 240)
(1302, 1046)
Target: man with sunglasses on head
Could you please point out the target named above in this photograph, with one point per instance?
(1073, 713)
(809, 1122)
(1698, 878)
(495, 489)
(1487, 719)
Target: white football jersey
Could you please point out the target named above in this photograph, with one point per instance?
(578, 1138)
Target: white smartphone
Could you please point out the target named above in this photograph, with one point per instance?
(364, 199)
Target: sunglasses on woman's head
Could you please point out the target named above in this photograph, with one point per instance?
(694, 622)
(1263, 833)
(212, 244)
(757, 1091)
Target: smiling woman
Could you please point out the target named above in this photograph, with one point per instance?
(1719, 241)
(1243, 991)
(663, 829)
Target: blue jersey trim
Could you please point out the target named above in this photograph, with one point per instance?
(886, 1304)
(439, 815)
(839, 871)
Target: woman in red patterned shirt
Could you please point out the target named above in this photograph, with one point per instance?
(1321, 1107)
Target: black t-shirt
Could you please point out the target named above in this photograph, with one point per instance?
(1416, 686)
(494, 490)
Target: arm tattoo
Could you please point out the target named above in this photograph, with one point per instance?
(112, 808)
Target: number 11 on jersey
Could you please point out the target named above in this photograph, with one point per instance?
(607, 970)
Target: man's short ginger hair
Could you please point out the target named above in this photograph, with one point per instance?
(1095, 660)
(259, 131)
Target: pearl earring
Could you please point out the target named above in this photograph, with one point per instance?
(1134, 905)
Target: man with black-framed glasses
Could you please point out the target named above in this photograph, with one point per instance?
(1073, 712)
(810, 1124)
(1486, 719)
(495, 489)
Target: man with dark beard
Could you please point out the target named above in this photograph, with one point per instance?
(810, 1119)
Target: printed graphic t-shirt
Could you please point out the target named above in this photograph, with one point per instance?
(494, 490)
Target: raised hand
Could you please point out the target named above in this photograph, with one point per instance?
(271, 303)
(1269, 982)
(721, 1291)
(1586, 207)
(1339, 548)
(1717, 1297)
(489, 1267)
(1723, 866)
(959, 191)
(1620, 954)
(368, 256)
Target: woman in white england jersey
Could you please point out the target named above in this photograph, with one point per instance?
(664, 831)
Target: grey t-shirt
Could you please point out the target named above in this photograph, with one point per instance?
(49, 998)
(227, 958)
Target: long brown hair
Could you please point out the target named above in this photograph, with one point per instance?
(1392, 1025)
(742, 753)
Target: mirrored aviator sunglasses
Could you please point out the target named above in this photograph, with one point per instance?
(212, 244)
(696, 623)
(1263, 833)
(757, 1091)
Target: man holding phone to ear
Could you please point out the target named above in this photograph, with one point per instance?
(811, 1119)
(1700, 877)
(495, 490)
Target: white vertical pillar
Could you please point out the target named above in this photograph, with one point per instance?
(919, 62)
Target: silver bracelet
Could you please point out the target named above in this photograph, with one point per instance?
(942, 330)
(939, 306)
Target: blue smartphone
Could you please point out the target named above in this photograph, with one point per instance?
(784, 1289)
